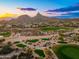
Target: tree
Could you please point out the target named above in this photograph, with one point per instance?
(6, 50)
(26, 55)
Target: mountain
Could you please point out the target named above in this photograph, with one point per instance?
(25, 19)
(40, 18)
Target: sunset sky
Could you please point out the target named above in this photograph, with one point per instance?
(46, 7)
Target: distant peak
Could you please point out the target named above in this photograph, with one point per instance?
(24, 15)
(38, 14)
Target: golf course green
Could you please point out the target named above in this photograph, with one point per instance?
(67, 52)
(54, 28)
(5, 34)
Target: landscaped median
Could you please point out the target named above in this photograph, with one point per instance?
(33, 40)
(67, 51)
(45, 38)
(40, 52)
(21, 45)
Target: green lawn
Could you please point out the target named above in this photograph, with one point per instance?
(40, 52)
(5, 34)
(54, 28)
(67, 52)
(33, 41)
(45, 38)
(21, 45)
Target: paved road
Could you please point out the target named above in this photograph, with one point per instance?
(55, 57)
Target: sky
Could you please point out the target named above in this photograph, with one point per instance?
(22, 7)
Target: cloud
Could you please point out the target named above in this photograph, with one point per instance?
(27, 9)
(57, 13)
(66, 9)
(72, 14)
